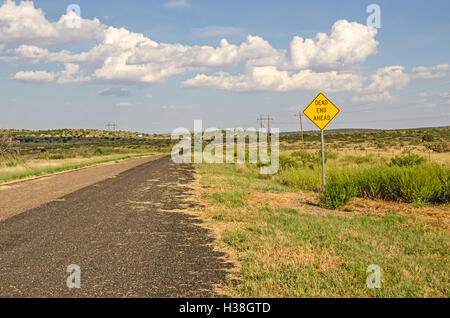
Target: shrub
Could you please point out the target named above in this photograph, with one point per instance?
(409, 160)
(338, 192)
(98, 152)
(427, 137)
(287, 162)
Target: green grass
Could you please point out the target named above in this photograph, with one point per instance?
(327, 256)
(230, 199)
(248, 178)
(286, 253)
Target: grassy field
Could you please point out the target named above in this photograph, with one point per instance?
(291, 239)
(289, 247)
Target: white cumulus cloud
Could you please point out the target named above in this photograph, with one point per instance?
(34, 76)
(270, 78)
(24, 24)
(389, 77)
(348, 43)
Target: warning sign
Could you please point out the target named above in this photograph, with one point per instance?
(321, 111)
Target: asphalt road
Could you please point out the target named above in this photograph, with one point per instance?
(19, 196)
(125, 233)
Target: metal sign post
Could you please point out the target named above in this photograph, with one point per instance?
(321, 111)
(323, 159)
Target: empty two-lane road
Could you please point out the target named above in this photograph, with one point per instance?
(126, 234)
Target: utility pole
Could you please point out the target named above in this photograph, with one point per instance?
(301, 127)
(268, 123)
(260, 119)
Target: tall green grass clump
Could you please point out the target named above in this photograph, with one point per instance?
(338, 192)
(420, 183)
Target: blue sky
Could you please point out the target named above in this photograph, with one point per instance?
(396, 77)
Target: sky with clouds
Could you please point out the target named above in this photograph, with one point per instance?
(153, 66)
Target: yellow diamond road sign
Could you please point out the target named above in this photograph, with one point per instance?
(321, 111)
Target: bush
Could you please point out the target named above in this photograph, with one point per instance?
(427, 138)
(98, 152)
(409, 160)
(287, 162)
(338, 192)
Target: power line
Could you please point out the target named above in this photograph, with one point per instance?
(261, 119)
